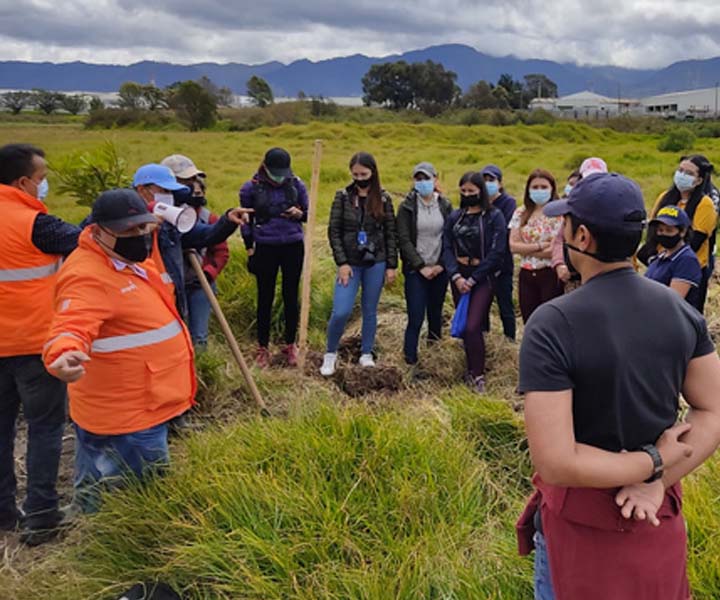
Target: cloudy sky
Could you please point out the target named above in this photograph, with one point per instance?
(631, 33)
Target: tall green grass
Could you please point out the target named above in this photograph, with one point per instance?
(327, 503)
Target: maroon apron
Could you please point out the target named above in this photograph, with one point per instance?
(596, 554)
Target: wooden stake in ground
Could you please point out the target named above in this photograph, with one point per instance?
(232, 342)
(307, 261)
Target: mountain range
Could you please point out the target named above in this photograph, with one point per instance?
(342, 76)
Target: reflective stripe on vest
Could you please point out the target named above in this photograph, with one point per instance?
(30, 273)
(136, 340)
(165, 278)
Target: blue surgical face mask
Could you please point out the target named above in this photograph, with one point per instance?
(425, 187)
(683, 181)
(540, 196)
(492, 187)
(42, 189)
(568, 189)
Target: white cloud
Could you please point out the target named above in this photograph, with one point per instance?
(642, 33)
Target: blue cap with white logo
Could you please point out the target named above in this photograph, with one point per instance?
(158, 175)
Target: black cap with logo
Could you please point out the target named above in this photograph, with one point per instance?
(277, 162)
(120, 209)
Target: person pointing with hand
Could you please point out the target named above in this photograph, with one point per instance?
(120, 343)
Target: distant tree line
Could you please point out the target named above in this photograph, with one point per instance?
(426, 87)
(48, 102)
(430, 88)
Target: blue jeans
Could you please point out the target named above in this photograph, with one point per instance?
(371, 279)
(106, 462)
(199, 314)
(423, 297)
(543, 583)
(24, 381)
(503, 295)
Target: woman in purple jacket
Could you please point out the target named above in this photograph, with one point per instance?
(274, 241)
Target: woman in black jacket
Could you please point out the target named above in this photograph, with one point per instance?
(420, 222)
(362, 237)
(473, 250)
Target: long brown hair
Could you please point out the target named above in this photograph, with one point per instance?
(529, 204)
(374, 198)
(672, 196)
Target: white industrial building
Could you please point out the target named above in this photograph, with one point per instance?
(694, 103)
(589, 105)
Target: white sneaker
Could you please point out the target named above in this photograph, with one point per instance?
(328, 366)
(366, 360)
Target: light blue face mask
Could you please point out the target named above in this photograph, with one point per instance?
(683, 181)
(568, 189)
(492, 187)
(425, 187)
(43, 189)
(540, 196)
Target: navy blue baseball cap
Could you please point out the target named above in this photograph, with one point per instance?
(609, 201)
(120, 210)
(277, 161)
(492, 170)
(672, 215)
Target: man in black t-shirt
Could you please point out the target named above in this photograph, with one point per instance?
(602, 370)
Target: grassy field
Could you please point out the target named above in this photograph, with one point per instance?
(408, 496)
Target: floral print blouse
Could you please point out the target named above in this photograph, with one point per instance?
(539, 228)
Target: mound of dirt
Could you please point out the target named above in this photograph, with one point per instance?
(359, 381)
(350, 349)
(313, 362)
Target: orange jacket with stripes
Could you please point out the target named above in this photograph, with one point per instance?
(27, 276)
(141, 371)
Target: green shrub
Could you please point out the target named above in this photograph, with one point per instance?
(84, 175)
(537, 117)
(110, 118)
(679, 138)
(708, 130)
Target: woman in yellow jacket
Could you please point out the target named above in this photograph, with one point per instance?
(690, 191)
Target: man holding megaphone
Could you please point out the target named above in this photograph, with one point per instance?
(155, 184)
(213, 258)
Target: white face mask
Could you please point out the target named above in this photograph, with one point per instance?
(43, 189)
(164, 198)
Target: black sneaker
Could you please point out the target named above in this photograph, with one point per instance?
(38, 528)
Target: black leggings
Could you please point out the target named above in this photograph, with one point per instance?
(268, 259)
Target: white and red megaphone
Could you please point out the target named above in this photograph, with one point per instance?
(183, 218)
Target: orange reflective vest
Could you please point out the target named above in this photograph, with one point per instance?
(27, 276)
(141, 371)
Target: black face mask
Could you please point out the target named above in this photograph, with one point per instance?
(196, 201)
(363, 183)
(468, 201)
(574, 275)
(668, 241)
(134, 249)
(602, 258)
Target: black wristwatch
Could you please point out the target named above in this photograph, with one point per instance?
(657, 473)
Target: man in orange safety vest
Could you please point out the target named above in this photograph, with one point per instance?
(117, 338)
